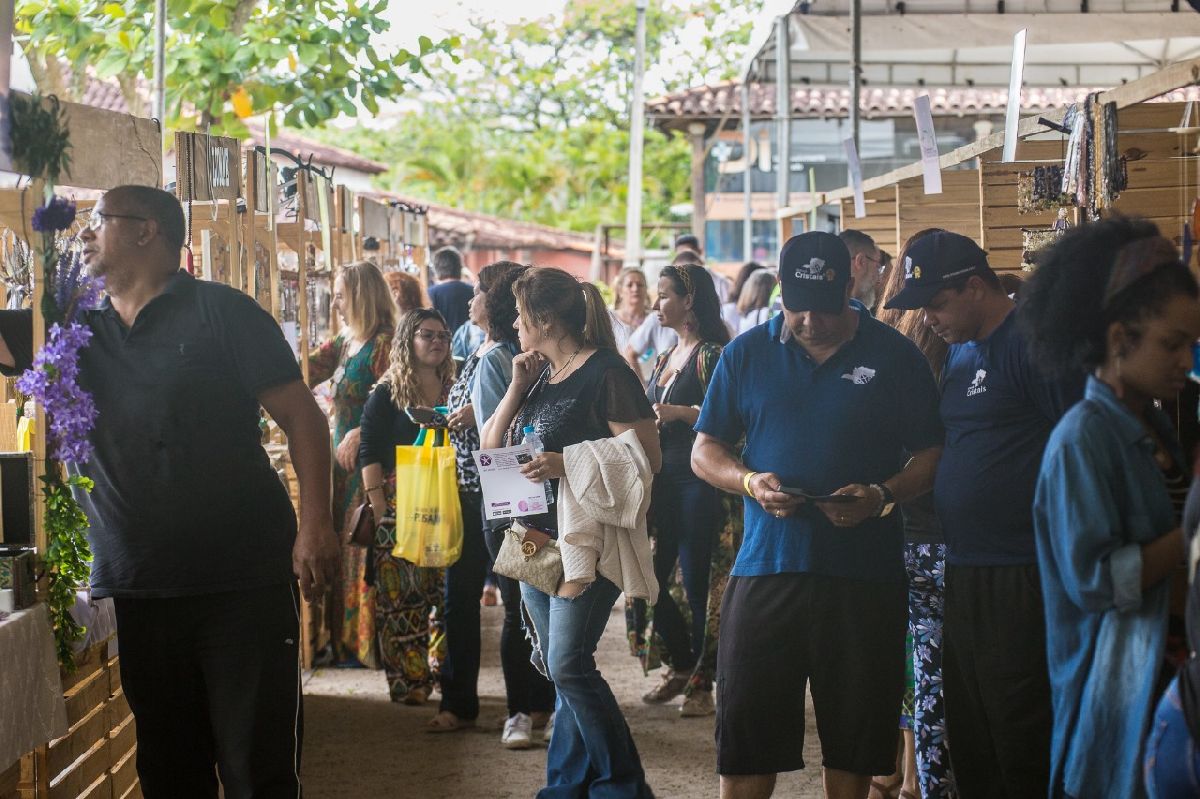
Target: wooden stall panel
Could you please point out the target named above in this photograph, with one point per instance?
(956, 209)
(880, 221)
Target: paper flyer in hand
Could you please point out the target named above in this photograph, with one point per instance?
(507, 492)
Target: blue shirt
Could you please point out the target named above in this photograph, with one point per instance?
(822, 427)
(998, 412)
(1100, 497)
(452, 300)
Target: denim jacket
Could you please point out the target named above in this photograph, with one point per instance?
(1100, 497)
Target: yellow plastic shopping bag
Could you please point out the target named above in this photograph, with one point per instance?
(429, 528)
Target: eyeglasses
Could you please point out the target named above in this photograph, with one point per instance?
(432, 335)
(98, 218)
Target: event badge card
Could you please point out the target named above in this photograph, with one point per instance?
(507, 492)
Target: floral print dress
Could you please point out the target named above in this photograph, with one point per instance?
(350, 615)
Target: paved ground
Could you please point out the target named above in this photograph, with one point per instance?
(358, 744)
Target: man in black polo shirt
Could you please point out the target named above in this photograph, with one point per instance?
(192, 531)
(998, 412)
(830, 401)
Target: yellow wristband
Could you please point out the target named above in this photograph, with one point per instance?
(746, 483)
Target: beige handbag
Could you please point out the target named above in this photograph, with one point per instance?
(530, 556)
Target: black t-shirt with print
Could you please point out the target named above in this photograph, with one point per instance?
(604, 389)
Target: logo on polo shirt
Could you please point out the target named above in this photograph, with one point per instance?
(977, 386)
(860, 375)
(814, 270)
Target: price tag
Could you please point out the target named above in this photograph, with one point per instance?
(928, 140)
(1012, 115)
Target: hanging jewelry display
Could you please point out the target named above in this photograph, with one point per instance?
(16, 269)
(1041, 189)
(1036, 239)
(320, 306)
(262, 275)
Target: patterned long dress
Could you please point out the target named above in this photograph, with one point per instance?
(351, 610)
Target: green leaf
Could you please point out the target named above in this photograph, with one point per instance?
(115, 10)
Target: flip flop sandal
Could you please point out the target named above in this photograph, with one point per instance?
(446, 721)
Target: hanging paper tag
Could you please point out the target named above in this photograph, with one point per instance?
(1012, 114)
(929, 150)
(860, 205)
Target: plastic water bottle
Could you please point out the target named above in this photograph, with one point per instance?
(534, 442)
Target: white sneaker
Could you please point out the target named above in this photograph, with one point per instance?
(518, 732)
(548, 732)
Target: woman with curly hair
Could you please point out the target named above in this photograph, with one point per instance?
(1111, 299)
(419, 374)
(353, 361)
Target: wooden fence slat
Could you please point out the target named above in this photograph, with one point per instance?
(69, 784)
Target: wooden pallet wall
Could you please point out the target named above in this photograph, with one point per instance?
(956, 209)
(880, 221)
(97, 758)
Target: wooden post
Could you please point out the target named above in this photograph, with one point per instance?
(37, 192)
(250, 222)
(696, 132)
(302, 267)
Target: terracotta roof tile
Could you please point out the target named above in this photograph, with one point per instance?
(484, 231)
(713, 102)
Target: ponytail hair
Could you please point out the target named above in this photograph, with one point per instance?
(597, 327)
(550, 296)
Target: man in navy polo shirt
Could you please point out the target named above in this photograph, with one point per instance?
(830, 401)
(998, 413)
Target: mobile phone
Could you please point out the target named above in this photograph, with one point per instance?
(427, 417)
(833, 499)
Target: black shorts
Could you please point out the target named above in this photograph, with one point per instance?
(845, 636)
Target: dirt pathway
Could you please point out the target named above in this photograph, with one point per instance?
(358, 744)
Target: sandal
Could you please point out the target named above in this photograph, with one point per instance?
(415, 696)
(880, 790)
(445, 721)
(908, 794)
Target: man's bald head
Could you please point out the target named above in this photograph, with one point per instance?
(157, 205)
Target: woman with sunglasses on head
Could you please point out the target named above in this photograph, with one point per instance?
(577, 393)
(686, 512)
(420, 374)
(1110, 298)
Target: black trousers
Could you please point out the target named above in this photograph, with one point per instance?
(996, 681)
(527, 691)
(464, 586)
(214, 685)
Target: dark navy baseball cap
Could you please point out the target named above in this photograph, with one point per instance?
(814, 269)
(934, 262)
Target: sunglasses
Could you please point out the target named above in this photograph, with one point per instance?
(432, 335)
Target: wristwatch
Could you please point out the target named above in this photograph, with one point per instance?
(888, 500)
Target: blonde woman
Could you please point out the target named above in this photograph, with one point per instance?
(353, 361)
(419, 374)
(631, 303)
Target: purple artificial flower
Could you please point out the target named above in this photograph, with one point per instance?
(53, 381)
(56, 215)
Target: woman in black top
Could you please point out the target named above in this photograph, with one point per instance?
(420, 374)
(571, 386)
(686, 512)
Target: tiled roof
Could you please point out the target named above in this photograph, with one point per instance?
(325, 154)
(714, 102)
(484, 231)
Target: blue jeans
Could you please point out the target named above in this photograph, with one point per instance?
(592, 753)
(1172, 767)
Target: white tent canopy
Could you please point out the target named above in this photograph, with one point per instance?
(963, 43)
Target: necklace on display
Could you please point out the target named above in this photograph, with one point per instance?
(565, 366)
